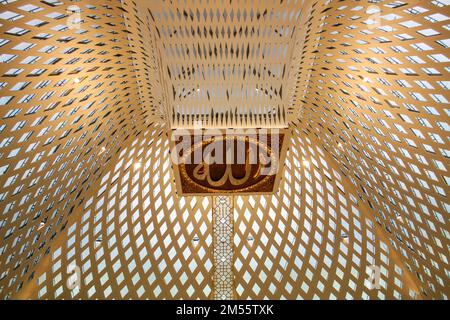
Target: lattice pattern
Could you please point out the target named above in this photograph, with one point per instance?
(88, 207)
(378, 103)
(223, 247)
(134, 237)
(218, 65)
(66, 97)
(279, 247)
(313, 239)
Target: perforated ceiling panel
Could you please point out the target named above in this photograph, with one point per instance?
(378, 103)
(88, 202)
(68, 104)
(218, 64)
(136, 239)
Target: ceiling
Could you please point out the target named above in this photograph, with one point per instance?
(89, 90)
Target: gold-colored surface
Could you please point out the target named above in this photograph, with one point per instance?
(378, 102)
(262, 176)
(86, 179)
(314, 238)
(69, 102)
(220, 65)
(223, 222)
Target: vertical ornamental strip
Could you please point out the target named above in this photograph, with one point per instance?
(223, 247)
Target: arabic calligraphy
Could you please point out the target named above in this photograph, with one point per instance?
(202, 172)
(231, 164)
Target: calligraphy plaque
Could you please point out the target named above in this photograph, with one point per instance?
(232, 161)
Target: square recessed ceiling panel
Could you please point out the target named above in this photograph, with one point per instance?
(224, 65)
